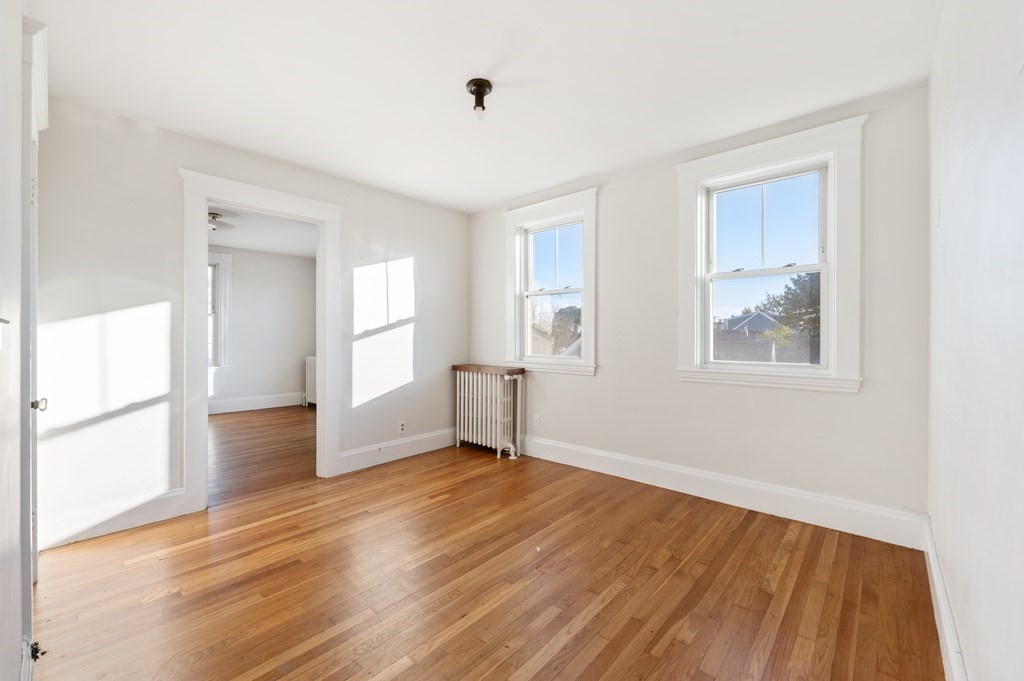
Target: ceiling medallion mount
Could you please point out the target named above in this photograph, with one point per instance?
(479, 88)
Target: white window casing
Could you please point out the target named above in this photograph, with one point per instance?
(520, 223)
(222, 309)
(835, 149)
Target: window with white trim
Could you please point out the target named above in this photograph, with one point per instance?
(218, 294)
(774, 232)
(550, 311)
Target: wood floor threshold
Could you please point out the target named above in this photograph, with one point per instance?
(455, 565)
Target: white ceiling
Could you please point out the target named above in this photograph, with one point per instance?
(375, 90)
(261, 232)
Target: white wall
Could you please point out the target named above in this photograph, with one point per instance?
(11, 583)
(868, 447)
(272, 329)
(110, 308)
(976, 491)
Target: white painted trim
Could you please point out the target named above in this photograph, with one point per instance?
(559, 368)
(166, 505)
(199, 190)
(392, 450)
(830, 384)
(40, 73)
(26, 660)
(949, 640)
(233, 404)
(582, 206)
(867, 520)
(837, 145)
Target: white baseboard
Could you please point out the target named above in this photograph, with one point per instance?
(949, 640)
(392, 450)
(868, 520)
(250, 403)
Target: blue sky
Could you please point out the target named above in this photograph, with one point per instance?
(791, 236)
(567, 269)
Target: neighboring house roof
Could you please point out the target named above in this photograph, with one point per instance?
(573, 349)
(755, 321)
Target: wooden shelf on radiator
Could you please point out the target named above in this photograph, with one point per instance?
(488, 369)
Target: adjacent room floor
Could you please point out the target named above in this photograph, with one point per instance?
(455, 565)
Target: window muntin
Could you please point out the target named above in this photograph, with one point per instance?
(766, 271)
(554, 300)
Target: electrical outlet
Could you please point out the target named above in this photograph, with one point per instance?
(536, 419)
(401, 426)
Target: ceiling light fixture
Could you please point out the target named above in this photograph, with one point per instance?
(216, 225)
(479, 88)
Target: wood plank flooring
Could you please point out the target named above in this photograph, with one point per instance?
(454, 565)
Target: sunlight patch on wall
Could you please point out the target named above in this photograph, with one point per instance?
(89, 366)
(381, 363)
(100, 471)
(105, 440)
(383, 319)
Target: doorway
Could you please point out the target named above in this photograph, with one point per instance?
(261, 352)
(205, 194)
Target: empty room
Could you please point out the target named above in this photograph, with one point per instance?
(477, 341)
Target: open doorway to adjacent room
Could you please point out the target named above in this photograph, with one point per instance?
(261, 352)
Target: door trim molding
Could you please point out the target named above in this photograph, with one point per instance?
(199, 189)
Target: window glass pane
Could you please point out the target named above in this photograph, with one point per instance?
(401, 290)
(570, 256)
(767, 319)
(211, 343)
(369, 297)
(738, 229)
(555, 325)
(211, 272)
(542, 252)
(792, 220)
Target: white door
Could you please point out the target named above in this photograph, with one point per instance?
(33, 101)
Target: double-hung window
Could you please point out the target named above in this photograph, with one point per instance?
(551, 284)
(773, 231)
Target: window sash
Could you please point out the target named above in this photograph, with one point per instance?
(213, 272)
(525, 316)
(527, 233)
(708, 322)
(526, 294)
(553, 291)
(708, 196)
(213, 342)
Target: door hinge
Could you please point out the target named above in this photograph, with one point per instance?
(36, 651)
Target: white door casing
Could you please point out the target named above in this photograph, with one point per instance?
(200, 189)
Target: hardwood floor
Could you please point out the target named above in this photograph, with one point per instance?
(454, 565)
(255, 451)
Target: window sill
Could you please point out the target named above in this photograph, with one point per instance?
(573, 369)
(218, 370)
(829, 384)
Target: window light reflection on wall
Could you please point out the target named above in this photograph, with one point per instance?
(383, 321)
